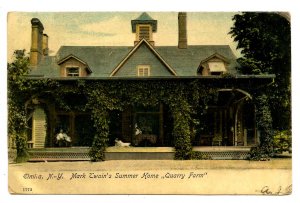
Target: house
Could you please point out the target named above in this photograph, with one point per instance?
(228, 120)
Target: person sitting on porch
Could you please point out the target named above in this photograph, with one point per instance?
(62, 139)
(137, 130)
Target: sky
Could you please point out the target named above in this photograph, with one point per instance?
(114, 29)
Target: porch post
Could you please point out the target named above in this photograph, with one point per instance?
(161, 125)
(235, 125)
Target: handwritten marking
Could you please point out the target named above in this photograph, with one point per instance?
(266, 190)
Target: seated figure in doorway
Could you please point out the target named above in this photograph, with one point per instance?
(62, 139)
(139, 136)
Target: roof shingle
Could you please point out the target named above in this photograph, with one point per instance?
(103, 59)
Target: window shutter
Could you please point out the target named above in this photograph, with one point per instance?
(144, 32)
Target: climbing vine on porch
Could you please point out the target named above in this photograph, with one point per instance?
(185, 98)
(264, 125)
(181, 97)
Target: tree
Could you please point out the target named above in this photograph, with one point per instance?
(265, 42)
(15, 93)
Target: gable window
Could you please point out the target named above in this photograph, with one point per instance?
(72, 71)
(143, 70)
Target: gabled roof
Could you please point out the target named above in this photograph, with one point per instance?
(216, 69)
(76, 58)
(102, 60)
(69, 57)
(215, 55)
(134, 50)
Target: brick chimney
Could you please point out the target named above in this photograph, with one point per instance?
(36, 50)
(45, 45)
(182, 30)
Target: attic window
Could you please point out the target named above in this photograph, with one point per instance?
(143, 70)
(216, 68)
(72, 71)
(144, 32)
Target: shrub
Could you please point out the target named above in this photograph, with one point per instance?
(199, 156)
(282, 141)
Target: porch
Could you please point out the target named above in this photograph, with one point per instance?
(135, 153)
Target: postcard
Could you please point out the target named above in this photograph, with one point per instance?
(149, 103)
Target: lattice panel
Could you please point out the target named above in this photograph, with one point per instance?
(227, 155)
(83, 155)
(43, 156)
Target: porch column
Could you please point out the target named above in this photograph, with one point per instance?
(225, 127)
(161, 125)
(221, 123)
(72, 127)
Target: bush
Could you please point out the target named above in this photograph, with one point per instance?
(199, 156)
(282, 141)
(258, 154)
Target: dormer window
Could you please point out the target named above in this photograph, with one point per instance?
(213, 65)
(72, 72)
(143, 70)
(216, 67)
(72, 66)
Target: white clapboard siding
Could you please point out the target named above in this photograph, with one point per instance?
(39, 128)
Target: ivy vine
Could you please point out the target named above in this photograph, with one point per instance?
(264, 125)
(181, 98)
(185, 99)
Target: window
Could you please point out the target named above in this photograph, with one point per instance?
(216, 68)
(216, 73)
(143, 70)
(144, 32)
(72, 72)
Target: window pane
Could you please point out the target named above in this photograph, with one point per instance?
(73, 72)
(143, 70)
(146, 72)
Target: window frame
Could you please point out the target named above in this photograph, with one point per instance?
(143, 68)
(220, 71)
(72, 67)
